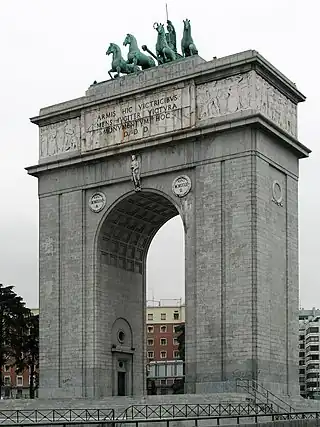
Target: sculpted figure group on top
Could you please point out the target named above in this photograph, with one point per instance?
(166, 50)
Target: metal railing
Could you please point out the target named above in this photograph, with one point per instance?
(51, 416)
(263, 395)
(216, 420)
(132, 413)
(188, 411)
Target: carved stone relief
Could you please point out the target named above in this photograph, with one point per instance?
(58, 138)
(47, 246)
(181, 185)
(277, 194)
(243, 92)
(225, 96)
(276, 106)
(168, 111)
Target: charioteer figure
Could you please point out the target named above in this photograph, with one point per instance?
(171, 36)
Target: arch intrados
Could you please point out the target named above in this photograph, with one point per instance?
(127, 228)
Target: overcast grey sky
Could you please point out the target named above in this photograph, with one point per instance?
(52, 51)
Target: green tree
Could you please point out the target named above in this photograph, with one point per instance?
(12, 317)
(26, 350)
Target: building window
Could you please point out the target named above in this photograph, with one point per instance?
(314, 348)
(301, 337)
(312, 339)
(163, 354)
(7, 368)
(312, 385)
(312, 375)
(163, 329)
(163, 341)
(301, 354)
(150, 316)
(176, 354)
(302, 371)
(150, 354)
(176, 315)
(150, 329)
(313, 357)
(301, 346)
(301, 362)
(163, 316)
(314, 366)
(163, 382)
(19, 381)
(312, 330)
(176, 329)
(7, 380)
(175, 341)
(150, 341)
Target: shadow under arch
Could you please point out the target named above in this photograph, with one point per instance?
(126, 230)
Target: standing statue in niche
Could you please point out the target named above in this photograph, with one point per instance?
(136, 172)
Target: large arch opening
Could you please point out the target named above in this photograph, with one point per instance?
(122, 246)
(165, 317)
(129, 228)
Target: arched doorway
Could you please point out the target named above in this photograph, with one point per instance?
(123, 239)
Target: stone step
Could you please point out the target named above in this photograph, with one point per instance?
(124, 402)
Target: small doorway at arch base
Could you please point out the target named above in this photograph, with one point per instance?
(122, 374)
(121, 383)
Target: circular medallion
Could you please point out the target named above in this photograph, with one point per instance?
(97, 202)
(277, 192)
(181, 185)
(121, 336)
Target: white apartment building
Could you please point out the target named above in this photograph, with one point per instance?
(309, 353)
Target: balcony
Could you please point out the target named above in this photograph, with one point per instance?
(313, 380)
(309, 349)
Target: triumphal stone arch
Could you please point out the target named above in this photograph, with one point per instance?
(214, 142)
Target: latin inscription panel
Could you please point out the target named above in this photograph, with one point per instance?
(137, 118)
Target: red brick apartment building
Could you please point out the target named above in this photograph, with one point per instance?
(164, 365)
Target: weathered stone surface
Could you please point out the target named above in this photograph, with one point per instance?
(225, 96)
(102, 120)
(243, 92)
(232, 131)
(59, 138)
(276, 106)
(138, 117)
